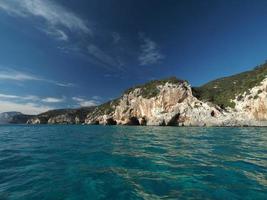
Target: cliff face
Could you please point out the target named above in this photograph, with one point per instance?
(6, 117)
(252, 104)
(174, 105)
(14, 118)
(62, 116)
(239, 100)
(169, 103)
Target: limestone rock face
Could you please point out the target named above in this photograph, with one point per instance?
(175, 105)
(102, 114)
(168, 103)
(252, 105)
(62, 119)
(172, 106)
(102, 119)
(37, 120)
(62, 116)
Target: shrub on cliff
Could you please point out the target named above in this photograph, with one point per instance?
(223, 90)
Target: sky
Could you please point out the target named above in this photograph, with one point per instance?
(73, 53)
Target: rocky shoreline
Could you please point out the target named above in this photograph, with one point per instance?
(239, 100)
(174, 105)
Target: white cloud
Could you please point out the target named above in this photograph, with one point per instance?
(53, 100)
(150, 53)
(29, 97)
(96, 97)
(63, 84)
(88, 103)
(62, 24)
(58, 34)
(29, 104)
(55, 16)
(14, 75)
(6, 96)
(26, 108)
(77, 99)
(102, 56)
(85, 103)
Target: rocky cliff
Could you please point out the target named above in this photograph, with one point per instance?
(173, 105)
(239, 100)
(62, 116)
(252, 105)
(14, 118)
(6, 117)
(166, 102)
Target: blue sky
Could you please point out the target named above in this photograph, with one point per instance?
(58, 53)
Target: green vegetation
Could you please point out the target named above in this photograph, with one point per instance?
(222, 90)
(106, 108)
(20, 119)
(150, 89)
(79, 112)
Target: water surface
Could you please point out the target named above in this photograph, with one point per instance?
(119, 162)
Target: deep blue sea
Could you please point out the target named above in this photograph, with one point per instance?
(119, 162)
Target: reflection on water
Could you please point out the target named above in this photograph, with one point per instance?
(97, 162)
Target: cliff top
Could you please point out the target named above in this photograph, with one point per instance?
(150, 89)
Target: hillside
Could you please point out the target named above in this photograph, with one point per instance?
(62, 116)
(172, 101)
(221, 91)
(20, 119)
(6, 117)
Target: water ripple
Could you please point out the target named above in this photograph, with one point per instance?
(120, 162)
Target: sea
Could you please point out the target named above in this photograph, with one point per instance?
(75, 162)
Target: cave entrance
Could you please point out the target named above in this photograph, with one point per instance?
(133, 121)
(111, 121)
(174, 121)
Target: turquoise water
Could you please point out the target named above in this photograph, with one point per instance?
(98, 162)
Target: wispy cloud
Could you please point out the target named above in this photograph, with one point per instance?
(98, 98)
(53, 100)
(26, 108)
(16, 97)
(64, 25)
(86, 103)
(150, 52)
(55, 16)
(8, 96)
(58, 34)
(28, 104)
(32, 98)
(59, 83)
(103, 57)
(31, 104)
(14, 75)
